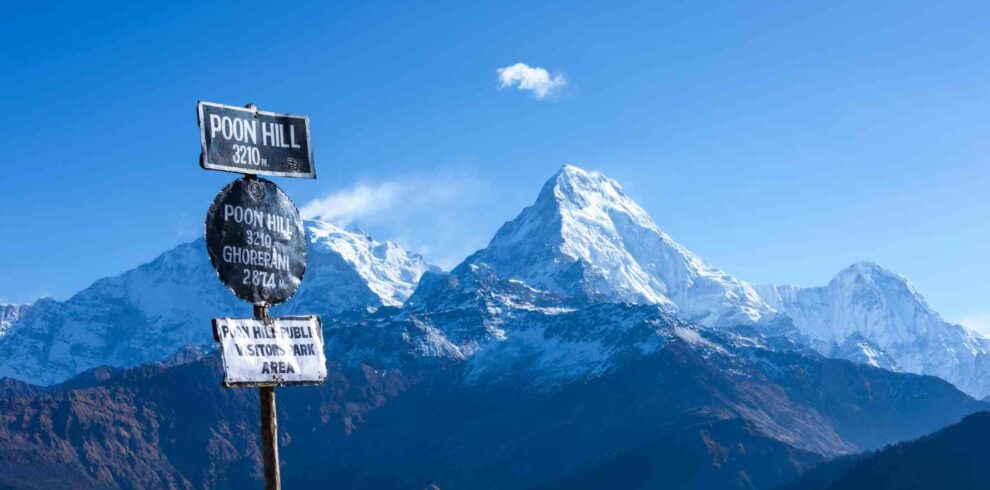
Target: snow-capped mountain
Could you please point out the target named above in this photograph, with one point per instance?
(584, 238)
(582, 345)
(582, 243)
(389, 270)
(347, 269)
(869, 314)
(150, 312)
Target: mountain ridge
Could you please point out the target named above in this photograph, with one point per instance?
(149, 312)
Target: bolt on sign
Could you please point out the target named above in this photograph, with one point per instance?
(288, 351)
(257, 244)
(244, 140)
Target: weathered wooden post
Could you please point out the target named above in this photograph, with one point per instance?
(269, 424)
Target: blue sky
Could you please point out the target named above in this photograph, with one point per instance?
(779, 142)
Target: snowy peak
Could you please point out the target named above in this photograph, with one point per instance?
(867, 310)
(872, 273)
(390, 271)
(566, 242)
(871, 278)
(584, 237)
(591, 198)
(865, 299)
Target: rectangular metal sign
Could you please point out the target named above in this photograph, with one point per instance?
(248, 141)
(282, 352)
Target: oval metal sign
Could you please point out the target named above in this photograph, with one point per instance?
(256, 241)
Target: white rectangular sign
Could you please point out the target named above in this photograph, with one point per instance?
(283, 351)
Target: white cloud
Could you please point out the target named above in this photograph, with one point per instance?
(347, 205)
(535, 79)
(979, 322)
(429, 214)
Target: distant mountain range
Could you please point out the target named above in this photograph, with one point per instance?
(582, 348)
(150, 312)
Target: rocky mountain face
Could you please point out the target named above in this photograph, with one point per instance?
(951, 459)
(608, 395)
(869, 314)
(150, 312)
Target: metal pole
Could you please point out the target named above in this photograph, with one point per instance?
(269, 424)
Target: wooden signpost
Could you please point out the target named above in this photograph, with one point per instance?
(257, 244)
